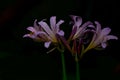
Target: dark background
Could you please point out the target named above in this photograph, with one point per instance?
(23, 59)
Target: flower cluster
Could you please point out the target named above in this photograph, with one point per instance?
(76, 43)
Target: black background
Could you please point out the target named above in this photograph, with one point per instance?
(23, 59)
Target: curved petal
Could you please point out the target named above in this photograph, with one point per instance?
(91, 26)
(58, 25)
(47, 44)
(82, 29)
(26, 35)
(53, 22)
(35, 25)
(111, 37)
(98, 27)
(31, 29)
(77, 20)
(86, 24)
(30, 36)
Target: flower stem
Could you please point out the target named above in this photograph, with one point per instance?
(77, 71)
(63, 66)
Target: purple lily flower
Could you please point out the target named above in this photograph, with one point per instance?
(100, 37)
(44, 33)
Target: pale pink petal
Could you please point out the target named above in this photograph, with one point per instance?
(53, 22)
(31, 29)
(105, 31)
(47, 44)
(26, 35)
(36, 26)
(60, 22)
(30, 36)
(45, 26)
(58, 25)
(104, 45)
(111, 37)
(61, 33)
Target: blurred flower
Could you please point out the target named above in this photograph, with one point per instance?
(100, 37)
(78, 28)
(43, 33)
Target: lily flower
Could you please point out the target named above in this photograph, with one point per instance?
(78, 28)
(100, 37)
(77, 34)
(43, 33)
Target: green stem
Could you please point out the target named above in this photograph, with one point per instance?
(77, 71)
(63, 66)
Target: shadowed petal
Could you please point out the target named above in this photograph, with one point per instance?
(111, 37)
(104, 45)
(98, 27)
(82, 29)
(73, 33)
(47, 44)
(64, 41)
(43, 35)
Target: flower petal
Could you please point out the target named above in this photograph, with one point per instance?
(105, 31)
(26, 35)
(98, 27)
(31, 29)
(73, 33)
(77, 20)
(104, 45)
(47, 44)
(111, 37)
(47, 29)
(58, 25)
(53, 22)
(61, 33)
(85, 25)
(82, 29)
(30, 36)
(91, 26)
(43, 35)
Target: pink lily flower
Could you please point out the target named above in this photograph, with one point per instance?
(44, 33)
